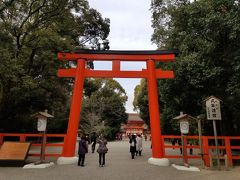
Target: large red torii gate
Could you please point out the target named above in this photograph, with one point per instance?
(81, 72)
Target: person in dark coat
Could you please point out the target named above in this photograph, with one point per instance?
(191, 149)
(180, 144)
(102, 150)
(82, 150)
(173, 141)
(93, 141)
(133, 143)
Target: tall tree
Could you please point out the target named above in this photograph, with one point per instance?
(140, 102)
(32, 32)
(103, 108)
(207, 34)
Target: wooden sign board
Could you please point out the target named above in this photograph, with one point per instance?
(184, 127)
(14, 153)
(213, 108)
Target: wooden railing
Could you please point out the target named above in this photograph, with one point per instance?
(207, 145)
(26, 138)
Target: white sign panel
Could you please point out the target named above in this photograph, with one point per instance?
(184, 127)
(213, 109)
(41, 124)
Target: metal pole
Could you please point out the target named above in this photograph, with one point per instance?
(216, 143)
(200, 141)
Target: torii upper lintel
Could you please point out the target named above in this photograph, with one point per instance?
(157, 55)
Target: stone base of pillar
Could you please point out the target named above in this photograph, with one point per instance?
(159, 161)
(67, 160)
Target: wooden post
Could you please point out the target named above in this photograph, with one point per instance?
(200, 141)
(42, 153)
(1, 138)
(216, 143)
(22, 138)
(44, 144)
(184, 151)
(228, 151)
(206, 151)
(157, 147)
(42, 147)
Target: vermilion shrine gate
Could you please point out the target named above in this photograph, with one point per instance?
(81, 72)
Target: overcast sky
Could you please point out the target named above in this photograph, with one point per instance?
(130, 29)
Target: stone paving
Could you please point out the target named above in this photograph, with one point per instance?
(119, 166)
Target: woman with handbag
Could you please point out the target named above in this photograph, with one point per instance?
(102, 150)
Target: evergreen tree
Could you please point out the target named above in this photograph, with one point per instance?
(32, 32)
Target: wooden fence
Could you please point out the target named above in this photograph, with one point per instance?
(36, 141)
(226, 145)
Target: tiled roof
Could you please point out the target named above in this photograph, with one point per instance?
(134, 127)
(134, 117)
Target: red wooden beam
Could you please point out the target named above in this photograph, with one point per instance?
(110, 57)
(114, 74)
(116, 65)
(67, 72)
(164, 74)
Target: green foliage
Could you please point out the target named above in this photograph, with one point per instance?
(207, 34)
(103, 108)
(140, 101)
(32, 32)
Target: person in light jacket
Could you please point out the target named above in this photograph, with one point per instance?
(82, 150)
(102, 150)
(139, 145)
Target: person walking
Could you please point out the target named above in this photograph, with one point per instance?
(145, 136)
(191, 149)
(82, 150)
(180, 144)
(139, 145)
(102, 150)
(133, 143)
(173, 141)
(93, 141)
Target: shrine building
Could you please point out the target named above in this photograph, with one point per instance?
(135, 125)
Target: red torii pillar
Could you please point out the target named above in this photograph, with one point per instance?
(75, 110)
(157, 150)
(80, 72)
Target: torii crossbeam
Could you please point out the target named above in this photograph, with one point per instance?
(81, 72)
